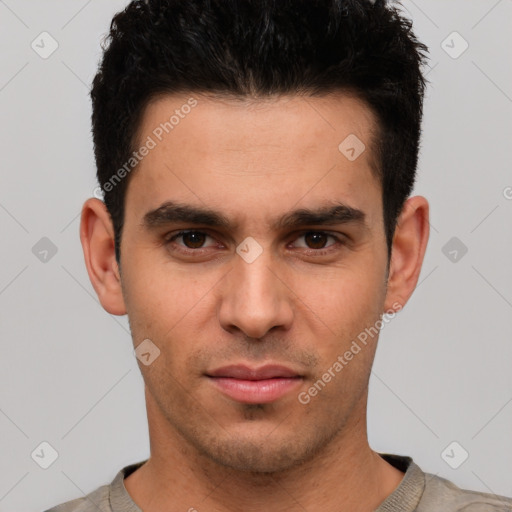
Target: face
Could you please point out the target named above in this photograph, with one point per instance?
(253, 254)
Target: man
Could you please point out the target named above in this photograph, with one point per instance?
(256, 160)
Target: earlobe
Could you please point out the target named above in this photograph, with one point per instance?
(97, 237)
(408, 251)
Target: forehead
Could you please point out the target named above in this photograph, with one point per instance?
(306, 123)
(258, 154)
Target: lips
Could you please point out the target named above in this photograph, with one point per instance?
(245, 373)
(255, 385)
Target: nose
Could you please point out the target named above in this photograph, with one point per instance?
(255, 298)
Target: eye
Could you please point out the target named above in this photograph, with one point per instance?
(192, 240)
(317, 240)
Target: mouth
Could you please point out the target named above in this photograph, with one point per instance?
(255, 385)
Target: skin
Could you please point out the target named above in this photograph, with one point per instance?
(255, 162)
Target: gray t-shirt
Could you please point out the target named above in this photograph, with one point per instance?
(417, 492)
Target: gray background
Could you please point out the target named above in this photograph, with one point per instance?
(68, 375)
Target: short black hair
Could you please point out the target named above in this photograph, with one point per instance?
(255, 49)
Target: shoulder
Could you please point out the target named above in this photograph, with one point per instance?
(106, 498)
(442, 494)
(96, 501)
(425, 492)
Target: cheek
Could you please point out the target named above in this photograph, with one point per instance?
(343, 299)
(345, 337)
(343, 312)
(160, 291)
(173, 309)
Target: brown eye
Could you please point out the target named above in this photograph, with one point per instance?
(190, 241)
(318, 243)
(193, 239)
(316, 240)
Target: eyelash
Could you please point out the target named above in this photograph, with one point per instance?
(315, 252)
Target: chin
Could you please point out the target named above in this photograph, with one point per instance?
(258, 456)
(255, 461)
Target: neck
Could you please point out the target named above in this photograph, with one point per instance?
(346, 476)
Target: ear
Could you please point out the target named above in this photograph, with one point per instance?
(408, 249)
(97, 237)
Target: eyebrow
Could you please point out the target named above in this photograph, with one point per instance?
(172, 212)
